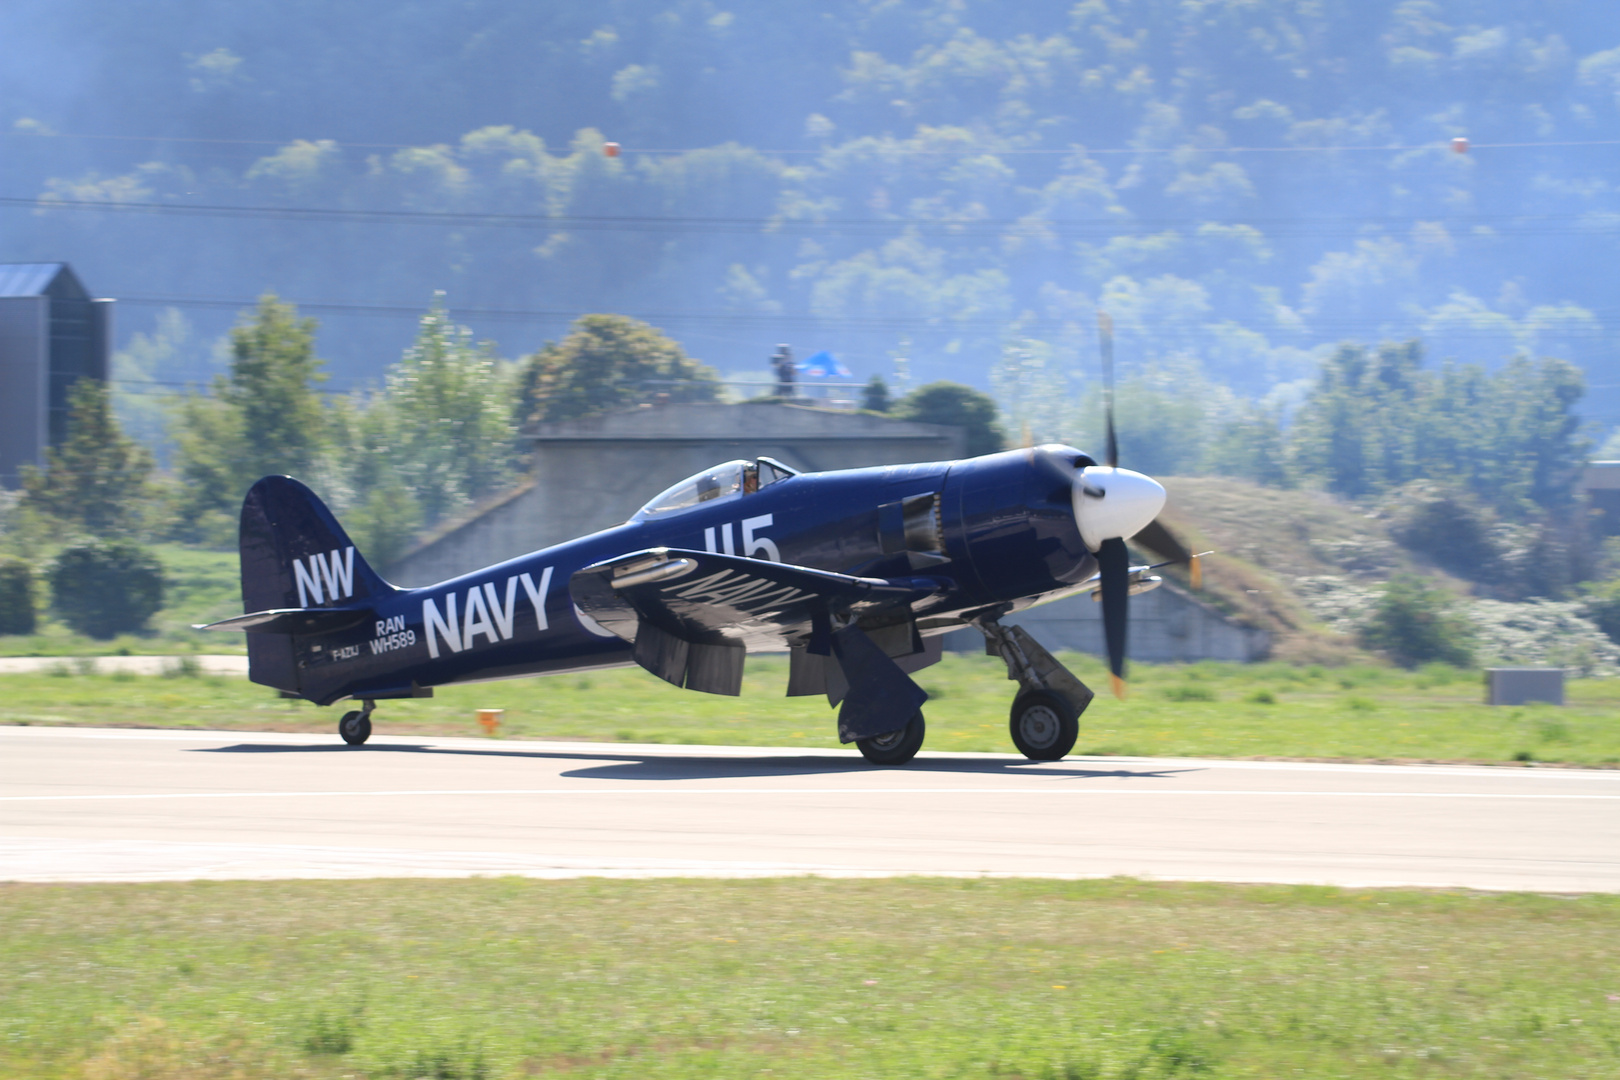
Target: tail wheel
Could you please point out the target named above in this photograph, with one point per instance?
(895, 747)
(355, 727)
(1044, 725)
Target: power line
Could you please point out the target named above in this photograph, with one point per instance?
(1583, 224)
(889, 147)
(1484, 324)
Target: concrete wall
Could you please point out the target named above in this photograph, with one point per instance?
(593, 473)
(1167, 625)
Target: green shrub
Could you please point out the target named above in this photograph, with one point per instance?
(16, 596)
(1413, 624)
(104, 589)
(1449, 527)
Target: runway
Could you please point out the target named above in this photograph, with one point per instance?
(79, 804)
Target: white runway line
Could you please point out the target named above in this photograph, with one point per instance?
(686, 791)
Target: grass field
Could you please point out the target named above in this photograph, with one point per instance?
(798, 977)
(1222, 710)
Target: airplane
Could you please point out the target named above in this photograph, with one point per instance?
(855, 573)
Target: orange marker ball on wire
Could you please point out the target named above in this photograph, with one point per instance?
(1459, 145)
(610, 149)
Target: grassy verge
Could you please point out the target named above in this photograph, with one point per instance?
(199, 586)
(800, 978)
(1221, 710)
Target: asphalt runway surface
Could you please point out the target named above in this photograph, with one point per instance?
(80, 804)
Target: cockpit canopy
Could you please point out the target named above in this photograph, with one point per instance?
(728, 479)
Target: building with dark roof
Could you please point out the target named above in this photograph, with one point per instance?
(594, 472)
(52, 334)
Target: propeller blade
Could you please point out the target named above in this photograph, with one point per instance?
(1157, 538)
(1114, 569)
(1105, 345)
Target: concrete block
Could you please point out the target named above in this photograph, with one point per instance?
(1521, 686)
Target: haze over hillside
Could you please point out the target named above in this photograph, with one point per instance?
(963, 184)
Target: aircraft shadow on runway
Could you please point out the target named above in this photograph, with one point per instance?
(661, 767)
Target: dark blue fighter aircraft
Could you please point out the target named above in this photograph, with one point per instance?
(855, 573)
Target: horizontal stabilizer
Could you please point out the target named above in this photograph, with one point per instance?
(293, 620)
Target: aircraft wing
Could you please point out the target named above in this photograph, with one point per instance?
(726, 600)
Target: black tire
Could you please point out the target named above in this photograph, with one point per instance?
(1043, 725)
(895, 747)
(355, 727)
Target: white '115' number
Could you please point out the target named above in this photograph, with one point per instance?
(753, 546)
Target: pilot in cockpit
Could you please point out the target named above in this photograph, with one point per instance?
(728, 478)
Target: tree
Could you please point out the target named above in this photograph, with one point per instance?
(1375, 421)
(955, 405)
(170, 352)
(875, 395)
(1356, 428)
(1253, 447)
(272, 388)
(1449, 527)
(16, 596)
(263, 417)
(441, 432)
(98, 478)
(1537, 404)
(1164, 422)
(1413, 624)
(106, 589)
(611, 362)
(1602, 606)
(452, 400)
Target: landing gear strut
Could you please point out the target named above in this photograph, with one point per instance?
(355, 727)
(1045, 718)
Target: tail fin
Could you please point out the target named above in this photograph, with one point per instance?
(295, 555)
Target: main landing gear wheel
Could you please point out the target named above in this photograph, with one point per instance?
(355, 727)
(895, 747)
(1044, 725)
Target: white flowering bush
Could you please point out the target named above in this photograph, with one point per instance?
(1553, 633)
(1534, 633)
(1339, 603)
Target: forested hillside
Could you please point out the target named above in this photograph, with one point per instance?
(1244, 185)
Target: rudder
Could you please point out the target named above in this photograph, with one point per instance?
(295, 555)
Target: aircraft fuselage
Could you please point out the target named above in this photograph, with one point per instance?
(997, 531)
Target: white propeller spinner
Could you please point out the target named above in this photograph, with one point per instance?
(1111, 502)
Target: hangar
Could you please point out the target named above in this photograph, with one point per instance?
(52, 333)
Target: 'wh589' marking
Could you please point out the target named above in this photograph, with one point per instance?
(391, 635)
